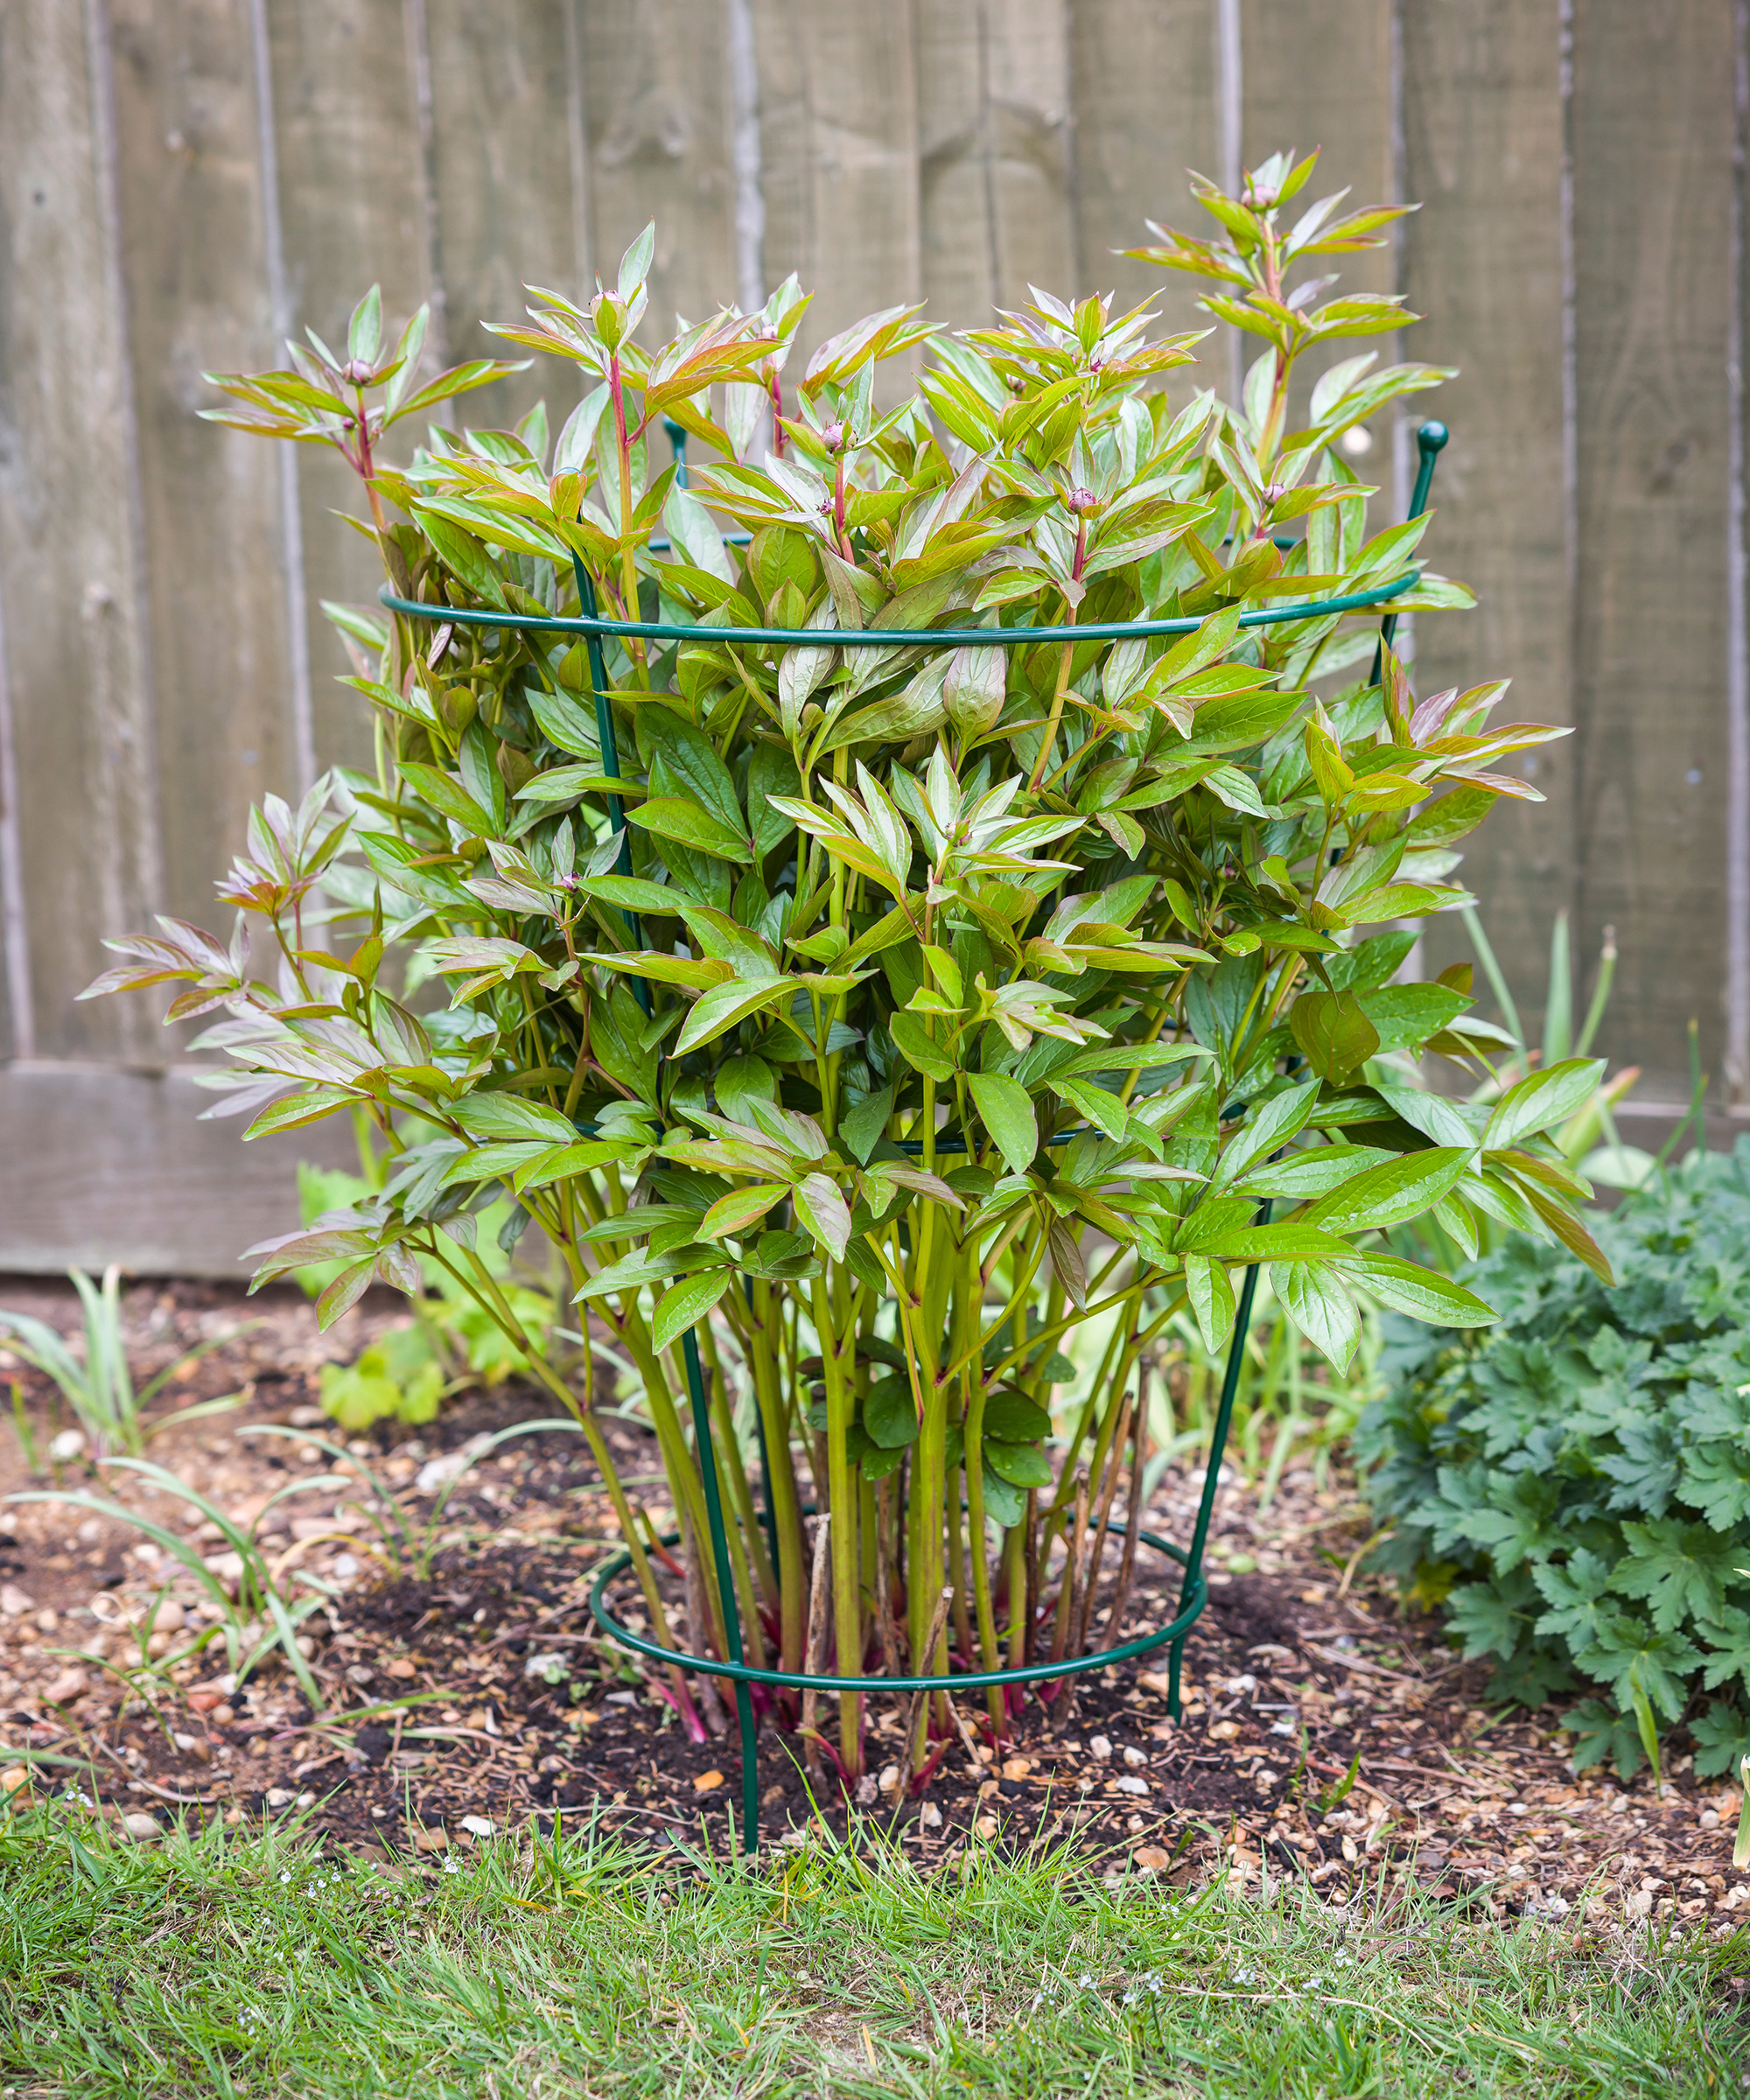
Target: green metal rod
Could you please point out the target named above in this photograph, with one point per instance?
(891, 638)
(725, 1583)
(957, 1680)
(1218, 1444)
(610, 756)
(1430, 440)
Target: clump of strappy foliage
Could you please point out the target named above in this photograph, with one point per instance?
(935, 999)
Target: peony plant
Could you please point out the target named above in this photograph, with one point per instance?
(881, 1013)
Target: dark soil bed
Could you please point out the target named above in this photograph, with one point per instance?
(1325, 1735)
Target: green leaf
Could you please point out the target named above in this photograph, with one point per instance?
(822, 1208)
(1316, 1301)
(1600, 1732)
(462, 555)
(692, 824)
(740, 1208)
(1577, 1592)
(1544, 1100)
(1726, 1638)
(1388, 1195)
(692, 760)
(1014, 1419)
(483, 1115)
(1289, 1242)
(915, 1045)
(1631, 1657)
(1303, 1176)
(632, 1272)
(1004, 1504)
(1421, 1293)
(1681, 1570)
(1021, 1465)
(1006, 1111)
(1332, 1034)
(1277, 1121)
(293, 1111)
(1211, 1291)
(1722, 1738)
(686, 1305)
(1485, 1620)
(716, 1012)
(450, 797)
(890, 1414)
(364, 331)
(860, 1127)
(563, 722)
(771, 772)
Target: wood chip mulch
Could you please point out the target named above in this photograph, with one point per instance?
(460, 1705)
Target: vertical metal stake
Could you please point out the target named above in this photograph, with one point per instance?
(1218, 1444)
(610, 755)
(1431, 439)
(725, 1583)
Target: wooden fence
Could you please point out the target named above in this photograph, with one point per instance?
(184, 182)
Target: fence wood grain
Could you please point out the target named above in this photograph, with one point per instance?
(191, 231)
(79, 664)
(1653, 130)
(995, 163)
(351, 186)
(1483, 131)
(510, 207)
(181, 181)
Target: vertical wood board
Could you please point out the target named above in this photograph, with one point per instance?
(839, 149)
(1143, 107)
(507, 214)
(1320, 73)
(1483, 260)
(1653, 127)
(995, 162)
(353, 205)
(77, 649)
(191, 230)
(656, 123)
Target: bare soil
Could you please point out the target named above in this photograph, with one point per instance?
(1325, 1734)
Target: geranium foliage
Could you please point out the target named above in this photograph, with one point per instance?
(1576, 1487)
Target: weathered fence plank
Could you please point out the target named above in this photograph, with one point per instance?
(78, 654)
(1143, 105)
(994, 155)
(191, 233)
(838, 145)
(1320, 73)
(1652, 128)
(506, 194)
(1482, 124)
(353, 202)
(181, 180)
(656, 120)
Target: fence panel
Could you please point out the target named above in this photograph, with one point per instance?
(182, 182)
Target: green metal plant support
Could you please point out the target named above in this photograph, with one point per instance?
(1194, 1594)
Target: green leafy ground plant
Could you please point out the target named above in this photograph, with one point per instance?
(1575, 1486)
(454, 1342)
(936, 998)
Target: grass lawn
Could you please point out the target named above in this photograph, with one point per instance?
(226, 1964)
